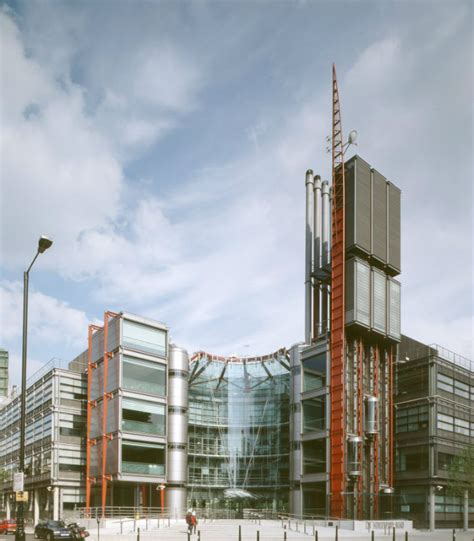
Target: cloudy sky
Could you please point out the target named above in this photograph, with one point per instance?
(163, 147)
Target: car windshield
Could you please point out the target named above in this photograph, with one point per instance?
(56, 524)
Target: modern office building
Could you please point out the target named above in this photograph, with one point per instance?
(434, 403)
(3, 374)
(127, 362)
(54, 443)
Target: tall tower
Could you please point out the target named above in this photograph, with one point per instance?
(355, 311)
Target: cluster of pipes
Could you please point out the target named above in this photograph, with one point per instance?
(317, 260)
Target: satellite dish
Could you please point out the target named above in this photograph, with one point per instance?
(352, 137)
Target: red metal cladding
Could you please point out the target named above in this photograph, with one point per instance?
(90, 405)
(375, 489)
(360, 416)
(105, 399)
(337, 436)
(391, 414)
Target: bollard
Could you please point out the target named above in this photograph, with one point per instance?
(199, 535)
(121, 527)
(240, 532)
(258, 535)
(406, 536)
(337, 533)
(316, 535)
(393, 535)
(454, 534)
(284, 535)
(297, 525)
(189, 536)
(372, 536)
(168, 522)
(313, 528)
(138, 534)
(304, 526)
(146, 524)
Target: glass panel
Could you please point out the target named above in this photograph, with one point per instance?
(143, 376)
(143, 338)
(314, 372)
(314, 414)
(143, 458)
(314, 456)
(141, 416)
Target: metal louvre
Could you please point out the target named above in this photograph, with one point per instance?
(379, 216)
(358, 204)
(357, 292)
(393, 313)
(393, 256)
(379, 304)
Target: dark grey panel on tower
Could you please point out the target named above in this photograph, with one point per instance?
(379, 217)
(393, 258)
(357, 205)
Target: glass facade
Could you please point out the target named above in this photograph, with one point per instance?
(144, 338)
(143, 417)
(143, 376)
(239, 431)
(143, 458)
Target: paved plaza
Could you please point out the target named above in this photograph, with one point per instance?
(268, 530)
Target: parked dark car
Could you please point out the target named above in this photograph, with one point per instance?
(52, 530)
(7, 526)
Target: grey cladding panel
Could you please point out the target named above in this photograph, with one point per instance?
(350, 291)
(363, 293)
(379, 216)
(379, 304)
(393, 316)
(357, 292)
(350, 202)
(362, 205)
(394, 227)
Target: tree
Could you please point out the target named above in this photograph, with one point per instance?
(461, 472)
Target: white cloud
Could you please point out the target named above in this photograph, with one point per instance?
(51, 320)
(58, 174)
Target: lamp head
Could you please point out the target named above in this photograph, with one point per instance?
(43, 244)
(352, 137)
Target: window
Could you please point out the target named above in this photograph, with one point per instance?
(445, 422)
(314, 456)
(143, 458)
(143, 376)
(461, 389)
(412, 459)
(412, 419)
(141, 416)
(445, 383)
(461, 426)
(314, 414)
(143, 338)
(314, 372)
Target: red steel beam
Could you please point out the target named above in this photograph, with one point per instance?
(338, 430)
(89, 441)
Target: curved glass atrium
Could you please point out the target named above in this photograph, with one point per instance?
(238, 431)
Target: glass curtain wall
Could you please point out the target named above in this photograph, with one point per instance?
(239, 431)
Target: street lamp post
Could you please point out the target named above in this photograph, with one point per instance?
(43, 244)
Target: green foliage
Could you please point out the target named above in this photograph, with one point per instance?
(461, 472)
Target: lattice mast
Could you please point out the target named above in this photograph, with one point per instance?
(338, 436)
